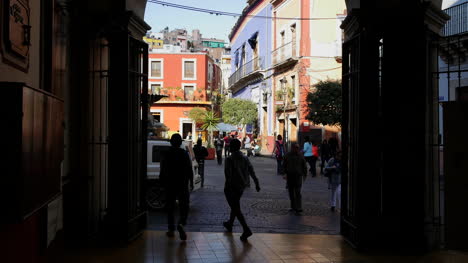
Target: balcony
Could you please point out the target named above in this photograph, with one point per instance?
(285, 55)
(458, 22)
(246, 73)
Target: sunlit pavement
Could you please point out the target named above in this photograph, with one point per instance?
(266, 211)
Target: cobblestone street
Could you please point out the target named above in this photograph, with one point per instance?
(265, 211)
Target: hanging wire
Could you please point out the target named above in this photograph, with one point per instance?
(222, 13)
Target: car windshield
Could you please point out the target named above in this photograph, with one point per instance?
(158, 150)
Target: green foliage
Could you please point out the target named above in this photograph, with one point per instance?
(197, 115)
(210, 123)
(239, 112)
(324, 104)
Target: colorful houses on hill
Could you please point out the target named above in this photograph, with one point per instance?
(279, 50)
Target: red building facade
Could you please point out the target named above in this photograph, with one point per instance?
(189, 80)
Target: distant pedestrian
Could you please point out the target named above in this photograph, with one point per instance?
(315, 156)
(333, 171)
(308, 155)
(200, 154)
(227, 140)
(176, 175)
(333, 146)
(219, 143)
(189, 136)
(324, 154)
(248, 145)
(237, 170)
(295, 168)
(279, 152)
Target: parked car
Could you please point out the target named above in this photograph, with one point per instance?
(155, 195)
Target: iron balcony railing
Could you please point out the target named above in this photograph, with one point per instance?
(284, 53)
(246, 69)
(458, 22)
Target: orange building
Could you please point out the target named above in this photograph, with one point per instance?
(189, 80)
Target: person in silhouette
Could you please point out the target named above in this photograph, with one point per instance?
(219, 143)
(279, 152)
(176, 175)
(295, 168)
(200, 154)
(324, 154)
(227, 140)
(313, 163)
(333, 168)
(237, 169)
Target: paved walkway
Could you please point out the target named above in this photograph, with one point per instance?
(266, 211)
(155, 247)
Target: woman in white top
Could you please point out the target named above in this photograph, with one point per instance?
(247, 145)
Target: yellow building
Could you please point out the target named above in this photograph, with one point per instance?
(154, 43)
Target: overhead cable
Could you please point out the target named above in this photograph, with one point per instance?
(222, 13)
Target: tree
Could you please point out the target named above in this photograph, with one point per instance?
(197, 115)
(324, 104)
(239, 112)
(210, 123)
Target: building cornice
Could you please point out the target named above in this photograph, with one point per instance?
(245, 12)
(183, 102)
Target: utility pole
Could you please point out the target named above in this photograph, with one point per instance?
(285, 105)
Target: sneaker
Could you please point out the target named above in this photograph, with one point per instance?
(182, 234)
(245, 235)
(170, 234)
(227, 226)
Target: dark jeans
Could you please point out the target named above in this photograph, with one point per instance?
(201, 170)
(233, 198)
(184, 203)
(219, 156)
(249, 152)
(279, 167)
(312, 160)
(295, 197)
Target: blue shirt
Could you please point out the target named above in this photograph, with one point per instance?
(307, 149)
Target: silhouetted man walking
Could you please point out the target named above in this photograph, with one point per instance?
(237, 170)
(176, 174)
(200, 154)
(295, 168)
(219, 143)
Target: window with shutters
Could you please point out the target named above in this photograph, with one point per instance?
(156, 68)
(189, 69)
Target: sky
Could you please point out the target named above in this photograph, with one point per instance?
(211, 26)
(449, 3)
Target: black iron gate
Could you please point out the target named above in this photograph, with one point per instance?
(127, 136)
(451, 79)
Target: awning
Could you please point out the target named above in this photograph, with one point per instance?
(224, 127)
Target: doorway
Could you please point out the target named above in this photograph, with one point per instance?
(186, 129)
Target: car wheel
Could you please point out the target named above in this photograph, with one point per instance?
(155, 197)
